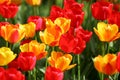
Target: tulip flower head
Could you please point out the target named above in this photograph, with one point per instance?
(106, 64)
(107, 32)
(60, 61)
(101, 10)
(37, 48)
(12, 33)
(6, 56)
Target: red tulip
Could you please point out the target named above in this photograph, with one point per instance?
(72, 10)
(26, 61)
(118, 62)
(14, 74)
(114, 18)
(84, 34)
(2, 74)
(101, 10)
(71, 43)
(56, 12)
(53, 74)
(40, 23)
(8, 10)
(13, 64)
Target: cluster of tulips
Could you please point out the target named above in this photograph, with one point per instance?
(56, 38)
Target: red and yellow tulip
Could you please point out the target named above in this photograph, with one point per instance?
(12, 33)
(34, 2)
(106, 64)
(37, 48)
(107, 32)
(60, 61)
(54, 30)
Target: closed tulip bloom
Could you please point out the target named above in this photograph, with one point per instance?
(107, 32)
(53, 73)
(37, 48)
(114, 18)
(106, 64)
(6, 56)
(40, 22)
(29, 29)
(118, 62)
(34, 2)
(12, 33)
(54, 30)
(101, 10)
(26, 61)
(60, 61)
(13, 74)
(8, 10)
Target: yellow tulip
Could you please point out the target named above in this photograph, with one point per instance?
(34, 2)
(106, 64)
(12, 33)
(6, 56)
(61, 61)
(54, 30)
(107, 32)
(29, 29)
(37, 48)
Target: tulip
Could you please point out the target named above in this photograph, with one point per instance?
(29, 29)
(114, 18)
(34, 2)
(37, 48)
(40, 23)
(8, 10)
(14, 74)
(26, 61)
(101, 10)
(17, 2)
(118, 62)
(52, 73)
(72, 10)
(107, 32)
(2, 73)
(5, 1)
(53, 31)
(60, 61)
(106, 64)
(12, 33)
(6, 56)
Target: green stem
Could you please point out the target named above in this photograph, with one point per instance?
(7, 43)
(34, 71)
(78, 56)
(29, 75)
(35, 10)
(73, 70)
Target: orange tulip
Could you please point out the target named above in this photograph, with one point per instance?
(107, 32)
(17, 2)
(29, 29)
(37, 48)
(54, 30)
(60, 61)
(3, 1)
(12, 33)
(34, 2)
(106, 64)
